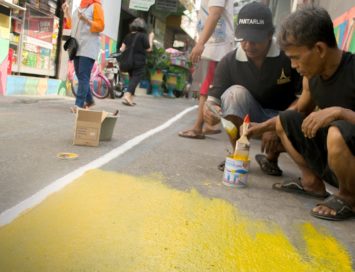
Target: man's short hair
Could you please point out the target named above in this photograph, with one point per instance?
(307, 26)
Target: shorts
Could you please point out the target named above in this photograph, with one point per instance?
(204, 71)
(238, 101)
(207, 82)
(314, 151)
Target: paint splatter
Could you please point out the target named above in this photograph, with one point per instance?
(111, 222)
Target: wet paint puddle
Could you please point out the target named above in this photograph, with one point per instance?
(106, 221)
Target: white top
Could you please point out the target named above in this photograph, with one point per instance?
(89, 42)
(222, 40)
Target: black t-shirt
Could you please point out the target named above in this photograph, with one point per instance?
(339, 89)
(140, 47)
(274, 85)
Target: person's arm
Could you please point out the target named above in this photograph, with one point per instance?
(322, 118)
(221, 82)
(67, 15)
(303, 104)
(97, 24)
(123, 47)
(214, 13)
(151, 38)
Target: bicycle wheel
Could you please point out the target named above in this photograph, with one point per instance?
(100, 87)
(74, 83)
(118, 90)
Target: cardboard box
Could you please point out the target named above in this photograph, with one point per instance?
(93, 126)
(107, 127)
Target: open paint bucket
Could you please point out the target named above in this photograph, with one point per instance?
(236, 172)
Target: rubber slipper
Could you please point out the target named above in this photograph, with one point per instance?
(127, 103)
(221, 166)
(268, 167)
(88, 105)
(211, 131)
(294, 186)
(343, 210)
(191, 134)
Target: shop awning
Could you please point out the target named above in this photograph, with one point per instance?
(10, 5)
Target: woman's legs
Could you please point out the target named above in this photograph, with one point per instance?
(135, 76)
(83, 67)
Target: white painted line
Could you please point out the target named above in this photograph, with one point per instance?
(9, 215)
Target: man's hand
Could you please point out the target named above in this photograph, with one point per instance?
(319, 119)
(197, 52)
(270, 142)
(257, 129)
(209, 116)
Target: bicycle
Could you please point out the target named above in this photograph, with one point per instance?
(117, 79)
(100, 85)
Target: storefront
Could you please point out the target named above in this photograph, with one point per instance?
(33, 41)
(6, 9)
(38, 63)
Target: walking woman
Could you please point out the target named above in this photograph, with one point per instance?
(141, 44)
(86, 24)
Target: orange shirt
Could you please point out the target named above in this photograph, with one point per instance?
(98, 19)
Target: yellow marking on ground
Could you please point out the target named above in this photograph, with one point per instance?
(112, 222)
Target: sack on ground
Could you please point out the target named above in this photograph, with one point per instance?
(71, 46)
(126, 60)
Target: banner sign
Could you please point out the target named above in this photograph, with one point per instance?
(167, 5)
(143, 5)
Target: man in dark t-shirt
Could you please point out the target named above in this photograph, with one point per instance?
(320, 133)
(255, 79)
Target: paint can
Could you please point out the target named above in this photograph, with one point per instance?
(236, 172)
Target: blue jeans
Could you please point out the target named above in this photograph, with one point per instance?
(83, 67)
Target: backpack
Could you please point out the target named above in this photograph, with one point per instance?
(126, 61)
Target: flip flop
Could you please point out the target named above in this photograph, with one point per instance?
(191, 134)
(268, 167)
(211, 131)
(88, 105)
(343, 210)
(294, 186)
(127, 103)
(221, 166)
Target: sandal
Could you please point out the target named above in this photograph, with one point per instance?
(88, 105)
(294, 186)
(191, 134)
(221, 166)
(211, 131)
(127, 103)
(343, 210)
(268, 167)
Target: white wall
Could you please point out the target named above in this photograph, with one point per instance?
(112, 9)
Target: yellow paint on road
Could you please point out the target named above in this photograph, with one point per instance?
(106, 221)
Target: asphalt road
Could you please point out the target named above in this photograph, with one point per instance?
(33, 130)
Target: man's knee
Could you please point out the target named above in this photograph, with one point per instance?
(335, 145)
(279, 129)
(236, 94)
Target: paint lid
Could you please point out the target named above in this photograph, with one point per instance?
(67, 156)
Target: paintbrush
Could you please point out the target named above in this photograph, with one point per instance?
(228, 126)
(241, 151)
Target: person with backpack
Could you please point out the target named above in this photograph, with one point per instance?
(134, 54)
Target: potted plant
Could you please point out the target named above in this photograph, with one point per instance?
(158, 62)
